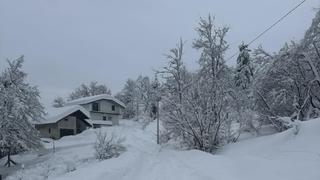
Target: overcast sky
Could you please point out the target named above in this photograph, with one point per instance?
(69, 42)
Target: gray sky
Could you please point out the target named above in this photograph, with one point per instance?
(69, 42)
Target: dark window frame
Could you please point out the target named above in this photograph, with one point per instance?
(104, 118)
(113, 108)
(95, 106)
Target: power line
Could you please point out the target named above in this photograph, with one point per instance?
(270, 27)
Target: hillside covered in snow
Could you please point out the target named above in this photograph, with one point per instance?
(281, 156)
(234, 89)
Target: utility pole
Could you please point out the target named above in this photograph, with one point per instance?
(158, 129)
(156, 85)
(137, 109)
(53, 146)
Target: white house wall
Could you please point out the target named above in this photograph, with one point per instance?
(105, 110)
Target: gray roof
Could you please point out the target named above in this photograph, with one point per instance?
(90, 99)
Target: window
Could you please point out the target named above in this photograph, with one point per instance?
(95, 107)
(49, 131)
(104, 118)
(109, 118)
(113, 107)
(65, 119)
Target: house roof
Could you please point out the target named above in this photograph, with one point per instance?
(53, 115)
(99, 122)
(90, 99)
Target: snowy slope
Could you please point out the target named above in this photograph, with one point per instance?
(280, 156)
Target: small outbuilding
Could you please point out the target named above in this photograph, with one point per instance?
(64, 121)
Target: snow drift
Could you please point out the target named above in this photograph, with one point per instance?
(282, 156)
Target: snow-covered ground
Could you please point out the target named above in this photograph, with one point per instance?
(280, 156)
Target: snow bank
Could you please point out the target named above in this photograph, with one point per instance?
(279, 156)
(282, 156)
(287, 141)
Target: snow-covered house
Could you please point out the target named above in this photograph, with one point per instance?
(103, 109)
(79, 114)
(63, 121)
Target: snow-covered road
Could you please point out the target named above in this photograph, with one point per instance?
(278, 157)
(145, 160)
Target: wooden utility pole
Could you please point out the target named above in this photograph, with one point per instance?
(53, 145)
(158, 129)
(156, 85)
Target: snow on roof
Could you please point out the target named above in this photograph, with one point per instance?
(99, 122)
(55, 114)
(90, 99)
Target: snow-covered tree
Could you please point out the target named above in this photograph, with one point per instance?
(244, 73)
(19, 106)
(279, 87)
(213, 84)
(108, 146)
(177, 81)
(289, 84)
(196, 106)
(92, 89)
(175, 73)
(310, 54)
(58, 102)
(128, 96)
(242, 94)
(144, 92)
(138, 95)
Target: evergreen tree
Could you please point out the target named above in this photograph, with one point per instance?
(242, 94)
(244, 72)
(19, 105)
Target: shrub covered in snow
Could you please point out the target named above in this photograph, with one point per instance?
(108, 146)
